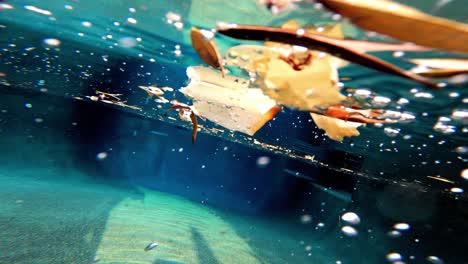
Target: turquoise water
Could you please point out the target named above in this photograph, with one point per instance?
(83, 181)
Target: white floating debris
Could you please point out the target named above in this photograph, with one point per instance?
(52, 42)
(349, 231)
(456, 190)
(402, 226)
(132, 20)
(394, 257)
(351, 218)
(101, 155)
(38, 10)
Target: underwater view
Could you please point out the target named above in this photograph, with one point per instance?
(246, 131)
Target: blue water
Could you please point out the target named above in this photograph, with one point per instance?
(84, 181)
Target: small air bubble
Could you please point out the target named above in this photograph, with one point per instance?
(101, 155)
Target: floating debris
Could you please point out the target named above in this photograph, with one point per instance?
(202, 42)
(187, 112)
(336, 129)
(316, 42)
(151, 246)
(408, 24)
(351, 218)
(228, 101)
(440, 179)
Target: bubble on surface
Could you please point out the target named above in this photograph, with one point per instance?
(53, 42)
(351, 218)
(394, 256)
(349, 231)
(402, 226)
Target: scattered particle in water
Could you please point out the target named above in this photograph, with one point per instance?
(68, 7)
(151, 246)
(80, 34)
(263, 161)
(394, 233)
(349, 231)
(434, 260)
(305, 219)
(177, 52)
(394, 257)
(444, 128)
(86, 24)
(127, 42)
(402, 226)
(132, 20)
(5, 6)
(456, 190)
(132, 10)
(38, 10)
(28, 106)
(181, 149)
(454, 94)
(52, 42)
(351, 218)
(391, 132)
(152, 60)
(320, 224)
(203, 166)
(398, 54)
(38, 120)
(225, 148)
(101, 156)
(460, 115)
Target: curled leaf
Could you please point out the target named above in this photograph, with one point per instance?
(440, 68)
(202, 42)
(336, 129)
(229, 102)
(185, 110)
(403, 23)
(315, 42)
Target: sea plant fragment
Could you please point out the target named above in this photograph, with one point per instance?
(316, 42)
(187, 113)
(228, 101)
(403, 22)
(354, 114)
(202, 42)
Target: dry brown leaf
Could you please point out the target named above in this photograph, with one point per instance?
(439, 73)
(453, 64)
(403, 23)
(229, 101)
(336, 129)
(332, 46)
(206, 48)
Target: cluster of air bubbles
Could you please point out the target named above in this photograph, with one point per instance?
(177, 51)
(380, 101)
(175, 20)
(391, 132)
(443, 125)
(350, 218)
(460, 115)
